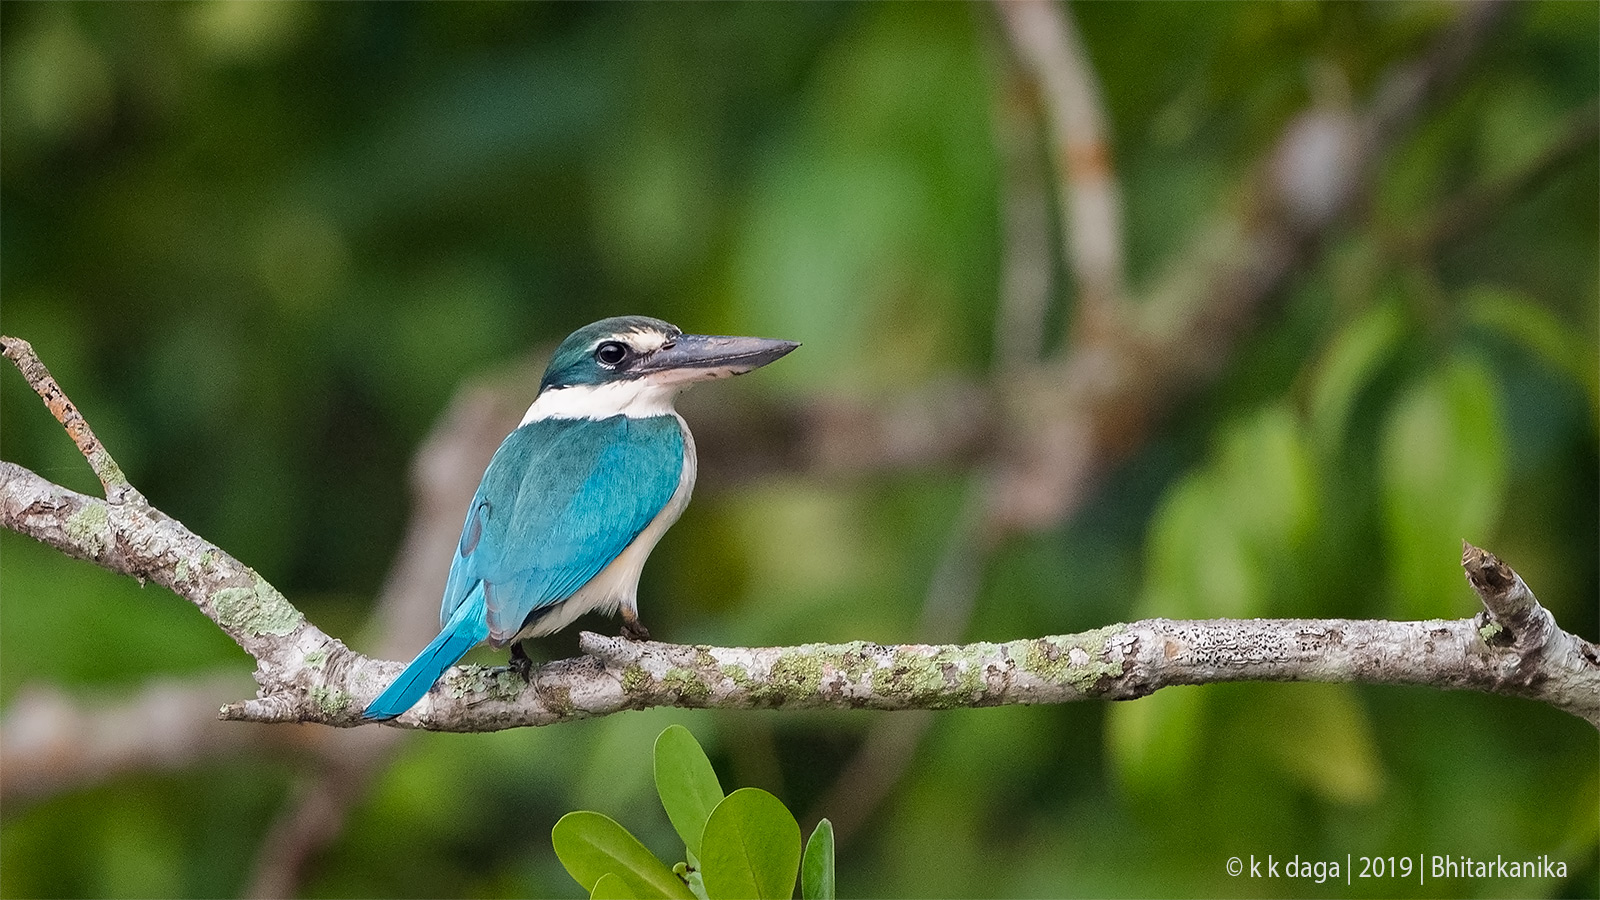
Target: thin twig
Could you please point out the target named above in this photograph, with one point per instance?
(1414, 84)
(112, 480)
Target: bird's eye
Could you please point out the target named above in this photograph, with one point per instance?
(611, 353)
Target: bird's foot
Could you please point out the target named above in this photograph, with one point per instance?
(520, 663)
(632, 628)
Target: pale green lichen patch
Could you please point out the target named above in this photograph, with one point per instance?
(496, 682)
(315, 659)
(687, 686)
(331, 701)
(508, 685)
(472, 680)
(635, 680)
(87, 526)
(739, 675)
(856, 662)
(915, 678)
(1075, 659)
(1490, 631)
(795, 677)
(180, 572)
(259, 609)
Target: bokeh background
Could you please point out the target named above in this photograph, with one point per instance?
(263, 246)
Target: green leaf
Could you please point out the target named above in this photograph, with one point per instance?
(1443, 468)
(1357, 353)
(687, 784)
(751, 848)
(1198, 560)
(1156, 742)
(816, 868)
(591, 846)
(611, 887)
(1267, 482)
(1228, 539)
(1331, 749)
(1558, 344)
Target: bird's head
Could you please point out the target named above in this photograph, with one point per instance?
(634, 365)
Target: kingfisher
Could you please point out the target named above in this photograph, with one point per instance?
(578, 495)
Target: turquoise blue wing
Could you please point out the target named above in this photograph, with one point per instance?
(559, 501)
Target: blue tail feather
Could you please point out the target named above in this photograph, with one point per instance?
(465, 630)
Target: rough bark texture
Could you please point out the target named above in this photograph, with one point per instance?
(1514, 648)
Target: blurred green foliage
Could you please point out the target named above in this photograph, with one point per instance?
(261, 245)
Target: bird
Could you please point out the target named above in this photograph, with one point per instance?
(577, 496)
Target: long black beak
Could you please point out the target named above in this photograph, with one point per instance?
(698, 357)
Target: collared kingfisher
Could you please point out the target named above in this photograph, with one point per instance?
(578, 495)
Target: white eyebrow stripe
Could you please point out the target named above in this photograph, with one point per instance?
(642, 340)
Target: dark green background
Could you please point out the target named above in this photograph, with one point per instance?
(262, 244)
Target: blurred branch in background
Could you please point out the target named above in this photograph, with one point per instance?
(1472, 208)
(1097, 402)
(1091, 405)
(952, 423)
(1046, 40)
(53, 742)
(1072, 418)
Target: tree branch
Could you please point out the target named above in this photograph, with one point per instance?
(125, 534)
(306, 676)
(1468, 210)
(1118, 662)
